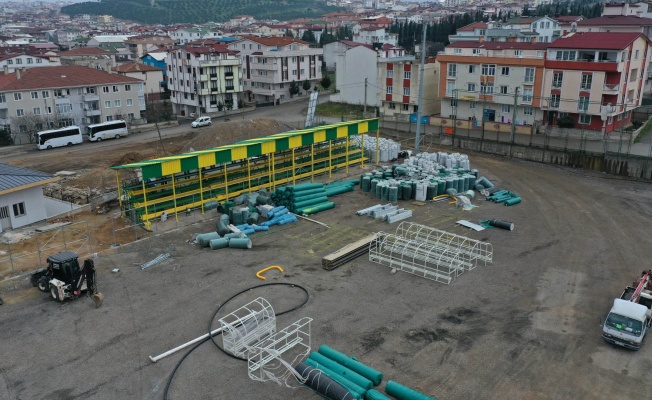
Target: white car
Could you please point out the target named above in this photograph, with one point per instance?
(201, 121)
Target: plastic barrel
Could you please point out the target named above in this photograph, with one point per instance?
(512, 201)
(393, 194)
(375, 376)
(404, 393)
(384, 193)
(366, 183)
(342, 370)
(441, 186)
(431, 191)
(204, 239)
(219, 243)
(253, 218)
(372, 186)
(240, 243)
(407, 191)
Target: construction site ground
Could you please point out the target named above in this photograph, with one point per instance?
(525, 326)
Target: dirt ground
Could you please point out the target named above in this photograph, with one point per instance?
(523, 327)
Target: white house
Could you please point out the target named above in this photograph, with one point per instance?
(21, 196)
(352, 67)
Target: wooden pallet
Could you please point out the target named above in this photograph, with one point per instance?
(346, 254)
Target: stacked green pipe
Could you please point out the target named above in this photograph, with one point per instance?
(310, 198)
(404, 393)
(374, 376)
(504, 196)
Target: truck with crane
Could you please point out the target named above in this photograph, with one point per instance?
(630, 316)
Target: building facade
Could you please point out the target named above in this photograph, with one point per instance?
(152, 78)
(204, 79)
(492, 81)
(36, 99)
(352, 68)
(270, 65)
(399, 86)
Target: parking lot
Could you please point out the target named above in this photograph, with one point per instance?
(523, 327)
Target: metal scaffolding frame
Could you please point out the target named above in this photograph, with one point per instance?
(469, 250)
(246, 326)
(416, 257)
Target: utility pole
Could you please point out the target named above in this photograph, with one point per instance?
(417, 140)
(364, 111)
(514, 121)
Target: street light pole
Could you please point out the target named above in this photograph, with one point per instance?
(422, 69)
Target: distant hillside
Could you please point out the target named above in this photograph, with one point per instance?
(200, 11)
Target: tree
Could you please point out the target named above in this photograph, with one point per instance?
(308, 36)
(306, 85)
(27, 125)
(5, 138)
(294, 88)
(289, 33)
(325, 82)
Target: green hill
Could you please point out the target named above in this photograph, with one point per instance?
(200, 11)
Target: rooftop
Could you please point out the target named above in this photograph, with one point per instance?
(135, 67)
(596, 40)
(14, 177)
(59, 77)
(468, 44)
(274, 41)
(610, 20)
(471, 27)
(85, 51)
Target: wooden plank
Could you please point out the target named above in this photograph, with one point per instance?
(346, 253)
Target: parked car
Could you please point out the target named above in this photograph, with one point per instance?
(201, 121)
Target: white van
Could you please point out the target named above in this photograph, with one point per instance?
(201, 121)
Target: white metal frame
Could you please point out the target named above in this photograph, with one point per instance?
(246, 326)
(470, 250)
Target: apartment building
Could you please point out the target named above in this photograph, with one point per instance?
(352, 67)
(204, 79)
(595, 79)
(40, 98)
(152, 77)
(270, 65)
(13, 61)
(141, 45)
(375, 35)
(92, 57)
(492, 81)
(399, 86)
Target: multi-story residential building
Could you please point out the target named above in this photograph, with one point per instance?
(152, 78)
(65, 38)
(333, 51)
(156, 59)
(187, 35)
(492, 81)
(399, 86)
(40, 98)
(204, 79)
(270, 65)
(92, 57)
(377, 35)
(13, 61)
(352, 68)
(595, 79)
(141, 45)
(640, 9)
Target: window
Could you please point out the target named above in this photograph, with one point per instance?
(64, 108)
(566, 55)
(583, 104)
(452, 70)
(619, 117)
(116, 103)
(107, 104)
(391, 106)
(19, 209)
(471, 87)
(34, 95)
(529, 75)
(36, 110)
(389, 90)
(19, 61)
(450, 88)
(39, 61)
(10, 61)
(540, 53)
(489, 69)
(407, 74)
(457, 51)
(585, 119)
(527, 95)
(20, 112)
(504, 71)
(636, 55)
(472, 104)
(472, 69)
(105, 89)
(517, 53)
(45, 94)
(127, 88)
(390, 73)
(527, 110)
(554, 101)
(453, 102)
(557, 79)
(634, 76)
(506, 108)
(29, 60)
(3, 99)
(587, 80)
(503, 89)
(18, 96)
(405, 107)
(140, 87)
(406, 91)
(487, 88)
(294, 72)
(130, 102)
(115, 88)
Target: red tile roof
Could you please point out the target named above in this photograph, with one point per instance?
(471, 27)
(135, 67)
(468, 44)
(568, 18)
(611, 20)
(596, 40)
(351, 43)
(60, 77)
(215, 48)
(274, 41)
(85, 51)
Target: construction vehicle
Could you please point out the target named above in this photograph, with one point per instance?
(64, 279)
(630, 317)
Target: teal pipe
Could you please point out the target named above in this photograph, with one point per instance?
(316, 208)
(219, 243)
(341, 370)
(512, 201)
(352, 387)
(304, 186)
(339, 189)
(404, 393)
(310, 202)
(375, 376)
(240, 243)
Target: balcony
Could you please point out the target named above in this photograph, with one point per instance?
(227, 88)
(556, 85)
(92, 112)
(228, 73)
(62, 100)
(610, 88)
(214, 90)
(213, 76)
(90, 97)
